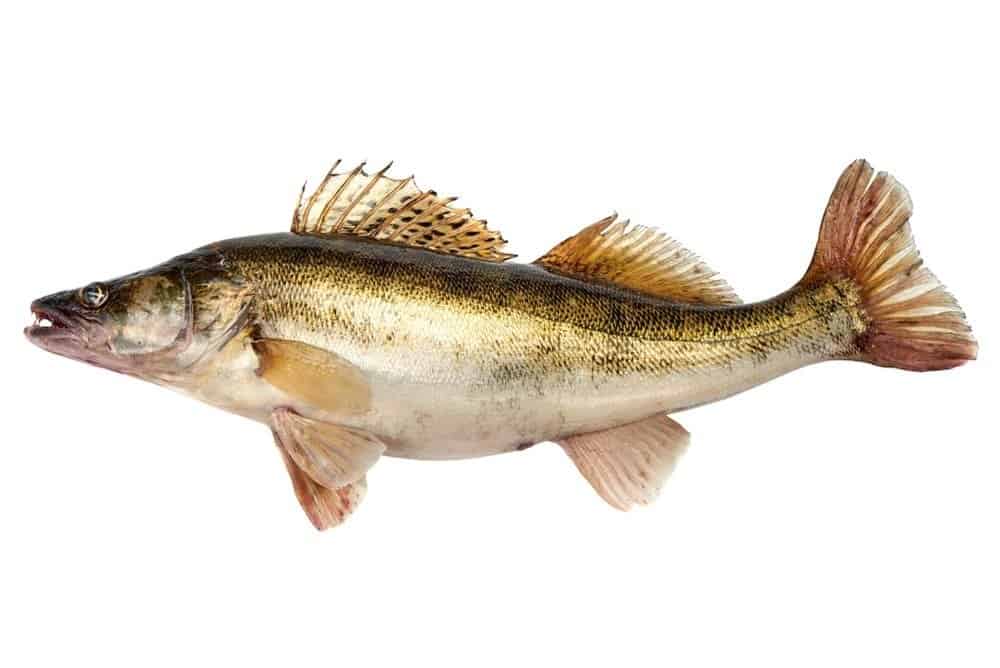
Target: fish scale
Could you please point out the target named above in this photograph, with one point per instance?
(388, 322)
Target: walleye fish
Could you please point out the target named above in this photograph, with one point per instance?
(389, 322)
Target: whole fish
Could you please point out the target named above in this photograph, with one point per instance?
(389, 322)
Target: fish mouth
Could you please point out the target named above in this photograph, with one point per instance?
(50, 326)
(70, 335)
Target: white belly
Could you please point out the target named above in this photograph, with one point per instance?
(435, 421)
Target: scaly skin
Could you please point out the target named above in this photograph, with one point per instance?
(386, 323)
(467, 358)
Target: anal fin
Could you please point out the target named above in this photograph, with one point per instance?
(628, 465)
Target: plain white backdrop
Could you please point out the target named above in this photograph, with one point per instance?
(841, 515)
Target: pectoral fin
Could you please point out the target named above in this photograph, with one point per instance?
(332, 455)
(312, 375)
(628, 465)
(325, 507)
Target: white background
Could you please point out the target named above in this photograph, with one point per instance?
(841, 515)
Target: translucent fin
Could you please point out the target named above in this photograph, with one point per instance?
(324, 507)
(628, 465)
(641, 259)
(332, 455)
(381, 208)
(914, 323)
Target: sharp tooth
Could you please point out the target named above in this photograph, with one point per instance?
(45, 322)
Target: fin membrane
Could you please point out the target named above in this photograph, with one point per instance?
(381, 208)
(640, 259)
(628, 465)
(312, 375)
(330, 454)
(324, 507)
(914, 323)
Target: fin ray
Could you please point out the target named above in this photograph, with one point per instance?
(381, 208)
(628, 465)
(324, 507)
(913, 322)
(640, 259)
(332, 455)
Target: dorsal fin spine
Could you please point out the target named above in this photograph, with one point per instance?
(359, 226)
(344, 217)
(408, 206)
(336, 195)
(432, 210)
(383, 209)
(388, 219)
(322, 185)
(298, 205)
(393, 216)
(466, 224)
(364, 221)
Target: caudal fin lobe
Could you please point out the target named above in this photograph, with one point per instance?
(912, 321)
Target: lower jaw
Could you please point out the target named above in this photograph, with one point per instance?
(45, 336)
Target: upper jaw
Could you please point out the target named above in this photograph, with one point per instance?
(67, 334)
(53, 330)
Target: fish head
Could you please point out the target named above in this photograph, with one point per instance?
(153, 324)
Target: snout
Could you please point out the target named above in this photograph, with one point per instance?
(54, 324)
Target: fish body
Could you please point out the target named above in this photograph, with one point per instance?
(388, 322)
(467, 358)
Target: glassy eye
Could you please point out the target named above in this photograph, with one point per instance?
(94, 295)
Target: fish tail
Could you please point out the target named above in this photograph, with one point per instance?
(911, 321)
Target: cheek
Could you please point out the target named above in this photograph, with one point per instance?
(153, 318)
(142, 331)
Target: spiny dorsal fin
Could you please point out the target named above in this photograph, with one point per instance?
(394, 210)
(641, 259)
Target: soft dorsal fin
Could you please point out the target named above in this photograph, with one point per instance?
(641, 259)
(396, 211)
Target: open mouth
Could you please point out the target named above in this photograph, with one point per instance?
(48, 323)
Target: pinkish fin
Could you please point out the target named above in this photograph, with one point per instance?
(333, 456)
(913, 322)
(324, 507)
(628, 465)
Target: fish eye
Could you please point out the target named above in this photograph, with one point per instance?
(93, 295)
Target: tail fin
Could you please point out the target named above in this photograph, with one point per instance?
(913, 323)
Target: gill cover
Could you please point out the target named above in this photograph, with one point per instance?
(154, 323)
